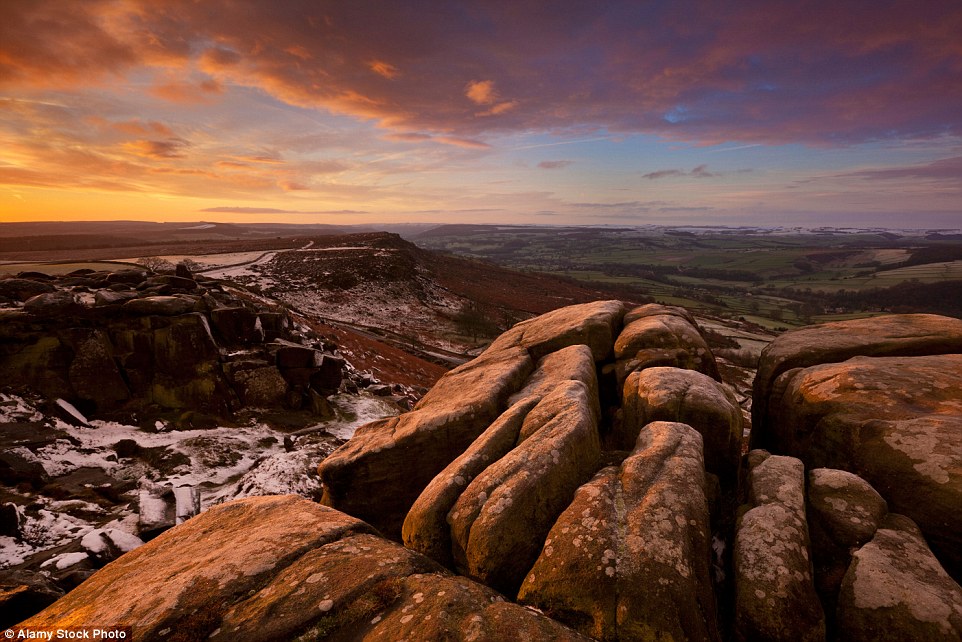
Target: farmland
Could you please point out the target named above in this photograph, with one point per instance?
(776, 278)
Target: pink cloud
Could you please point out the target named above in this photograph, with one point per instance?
(758, 71)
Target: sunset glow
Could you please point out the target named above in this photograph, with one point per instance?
(842, 113)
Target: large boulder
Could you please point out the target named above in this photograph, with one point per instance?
(166, 306)
(500, 521)
(775, 596)
(895, 422)
(23, 289)
(284, 568)
(896, 591)
(844, 511)
(629, 558)
(884, 336)
(689, 397)
(379, 473)
(262, 387)
(593, 324)
(657, 335)
(59, 303)
(237, 324)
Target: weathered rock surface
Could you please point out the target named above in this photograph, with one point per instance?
(884, 336)
(895, 421)
(689, 397)
(628, 559)
(426, 528)
(23, 289)
(895, 590)
(592, 324)
(379, 473)
(844, 511)
(275, 568)
(775, 596)
(499, 522)
(148, 349)
(656, 335)
(574, 363)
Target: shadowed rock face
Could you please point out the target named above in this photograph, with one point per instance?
(775, 595)
(275, 568)
(120, 351)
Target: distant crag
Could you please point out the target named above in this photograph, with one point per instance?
(173, 345)
(595, 475)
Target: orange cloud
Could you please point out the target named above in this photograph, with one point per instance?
(163, 149)
(481, 92)
(384, 69)
(188, 93)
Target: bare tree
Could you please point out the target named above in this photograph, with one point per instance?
(155, 264)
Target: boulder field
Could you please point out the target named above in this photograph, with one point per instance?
(586, 477)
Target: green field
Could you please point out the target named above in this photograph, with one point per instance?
(779, 279)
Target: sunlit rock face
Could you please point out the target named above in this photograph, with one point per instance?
(275, 568)
(832, 401)
(386, 466)
(629, 558)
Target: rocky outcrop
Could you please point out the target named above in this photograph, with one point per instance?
(282, 568)
(844, 511)
(381, 472)
(502, 517)
(884, 336)
(511, 472)
(894, 421)
(689, 397)
(775, 595)
(895, 590)
(112, 343)
(628, 558)
(658, 335)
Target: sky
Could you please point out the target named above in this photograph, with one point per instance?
(839, 113)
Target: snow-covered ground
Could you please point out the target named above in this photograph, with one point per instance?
(220, 464)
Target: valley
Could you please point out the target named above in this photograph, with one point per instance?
(778, 278)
